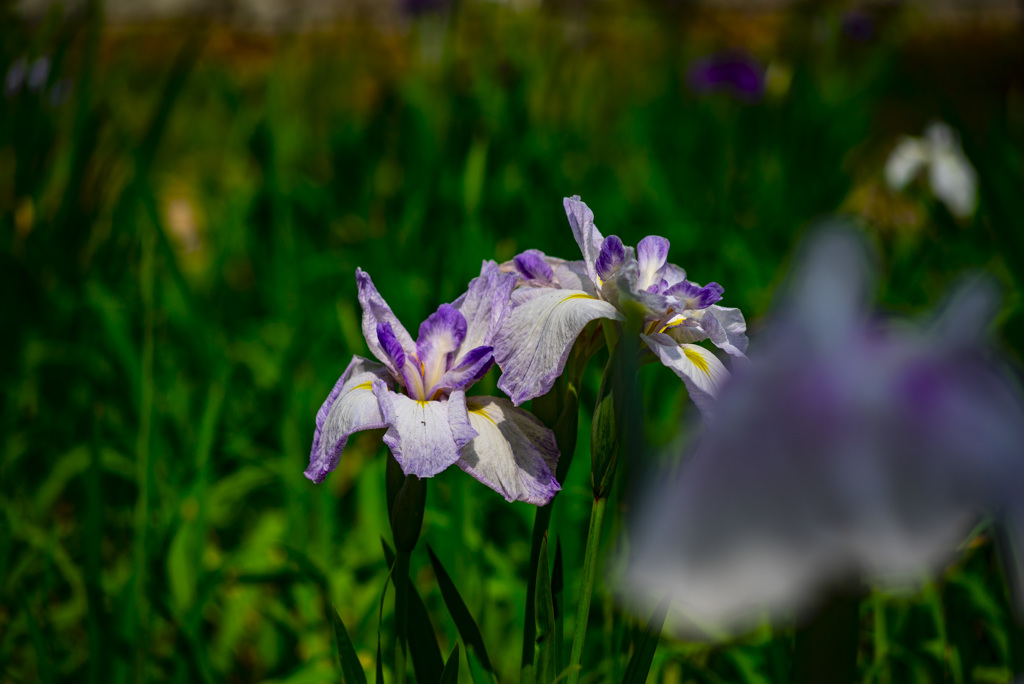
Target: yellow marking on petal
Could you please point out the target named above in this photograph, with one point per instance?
(362, 386)
(699, 361)
(422, 402)
(577, 296)
(482, 412)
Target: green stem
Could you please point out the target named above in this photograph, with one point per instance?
(586, 587)
(400, 580)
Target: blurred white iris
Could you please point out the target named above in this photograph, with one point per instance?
(952, 178)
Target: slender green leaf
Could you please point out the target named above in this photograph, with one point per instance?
(351, 669)
(545, 620)
(427, 662)
(640, 664)
(464, 622)
(450, 675)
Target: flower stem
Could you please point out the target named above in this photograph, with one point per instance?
(400, 580)
(586, 586)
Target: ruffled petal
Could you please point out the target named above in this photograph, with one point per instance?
(350, 407)
(425, 437)
(698, 368)
(484, 304)
(588, 237)
(376, 311)
(534, 341)
(513, 453)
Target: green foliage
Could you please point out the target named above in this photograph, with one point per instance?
(177, 246)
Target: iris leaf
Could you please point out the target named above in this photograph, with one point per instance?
(351, 669)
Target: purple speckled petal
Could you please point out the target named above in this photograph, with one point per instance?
(425, 437)
(652, 256)
(439, 338)
(473, 366)
(350, 407)
(700, 370)
(535, 339)
(610, 258)
(484, 304)
(588, 237)
(532, 266)
(513, 453)
(376, 310)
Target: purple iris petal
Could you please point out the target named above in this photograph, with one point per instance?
(375, 311)
(697, 297)
(439, 338)
(15, 77)
(532, 266)
(473, 366)
(425, 437)
(39, 72)
(652, 256)
(734, 72)
(388, 341)
(611, 256)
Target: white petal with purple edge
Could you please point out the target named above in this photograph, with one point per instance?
(474, 366)
(376, 310)
(535, 339)
(350, 407)
(733, 323)
(425, 437)
(483, 305)
(588, 237)
(700, 370)
(513, 453)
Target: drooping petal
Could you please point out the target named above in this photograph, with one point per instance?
(513, 453)
(694, 296)
(610, 258)
(473, 366)
(439, 338)
(698, 368)
(376, 310)
(726, 328)
(534, 340)
(350, 407)
(588, 237)
(483, 305)
(425, 437)
(652, 255)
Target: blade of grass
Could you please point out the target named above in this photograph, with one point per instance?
(464, 622)
(351, 669)
(640, 663)
(586, 586)
(545, 620)
(450, 675)
(427, 662)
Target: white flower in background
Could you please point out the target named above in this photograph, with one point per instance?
(950, 174)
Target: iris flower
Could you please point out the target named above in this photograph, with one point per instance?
(418, 394)
(952, 178)
(555, 299)
(847, 449)
(736, 73)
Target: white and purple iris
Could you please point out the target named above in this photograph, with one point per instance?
(418, 393)
(556, 299)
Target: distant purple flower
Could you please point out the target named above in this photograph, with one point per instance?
(38, 74)
(858, 25)
(417, 393)
(417, 7)
(15, 77)
(60, 92)
(846, 449)
(736, 73)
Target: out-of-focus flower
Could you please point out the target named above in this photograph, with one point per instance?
(736, 73)
(952, 178)
(38, 74)
(556, 299)
(15, 77)
(847, 449)
(60, 92)
(858, 25)
(417, 7)
(417, 393)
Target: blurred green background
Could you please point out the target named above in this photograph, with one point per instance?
(183, 204)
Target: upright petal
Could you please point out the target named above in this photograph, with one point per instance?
(425, 437)
(954, 182)
(700, 370)
(652, 255)
(588, 237)
(610, 258)
(350, 407)
(439, 338)
(534, 340)
(513, 453)
(375, 311)
(483, 305)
